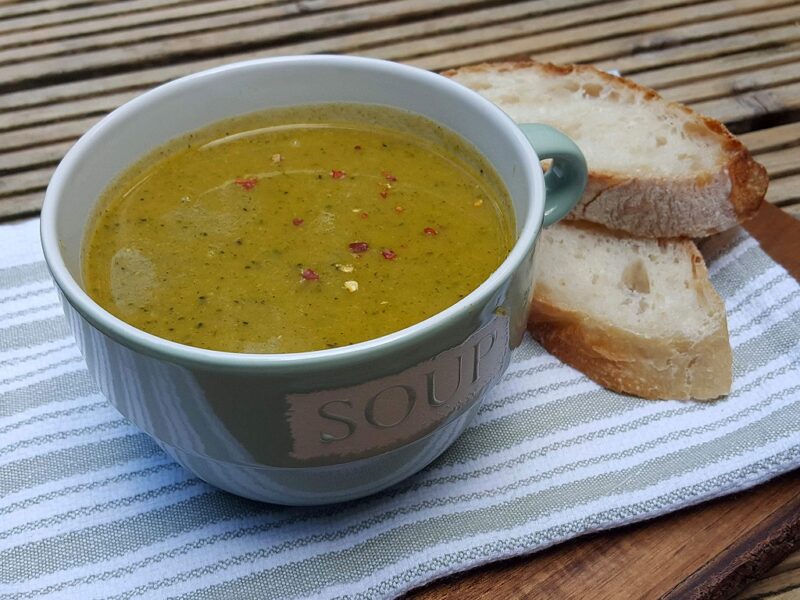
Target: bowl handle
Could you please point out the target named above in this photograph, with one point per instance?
(567, 176)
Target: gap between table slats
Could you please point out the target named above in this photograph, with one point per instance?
(170, 28)
(60, 25)
(152, 76)
(340, 43)
(23, 130)
(33, 7)
(634, 54)
(36, 155)
(75, 61)
(104, 51)
(684, 74)
(628, 38)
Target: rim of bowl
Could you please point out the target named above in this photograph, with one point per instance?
(153, 345)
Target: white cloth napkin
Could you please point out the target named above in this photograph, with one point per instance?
(91, 508)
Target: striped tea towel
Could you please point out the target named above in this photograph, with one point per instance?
(91, 508)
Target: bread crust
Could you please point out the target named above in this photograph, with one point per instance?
(629, 362)
(658, 206)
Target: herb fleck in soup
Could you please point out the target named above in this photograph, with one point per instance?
(297, 229)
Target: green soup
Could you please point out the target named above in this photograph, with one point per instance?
(297, 229)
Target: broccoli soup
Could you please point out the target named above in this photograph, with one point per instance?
(297, 229)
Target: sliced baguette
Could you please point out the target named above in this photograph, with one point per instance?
(657, 169)
(638, 316)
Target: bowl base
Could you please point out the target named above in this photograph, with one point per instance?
(308, 486)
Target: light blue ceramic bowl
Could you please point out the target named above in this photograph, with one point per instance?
(324, 426)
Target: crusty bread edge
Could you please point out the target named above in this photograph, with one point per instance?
(628, 362)
(729, 197)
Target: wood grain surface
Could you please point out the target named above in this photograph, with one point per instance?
(782, 582)
(709, 552)
(64, 64)
(706, 552)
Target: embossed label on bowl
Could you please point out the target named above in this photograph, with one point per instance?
(385, 413)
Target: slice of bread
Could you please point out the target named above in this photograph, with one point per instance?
(636, 315)
(657, 168)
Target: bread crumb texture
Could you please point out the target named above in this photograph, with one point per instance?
(636, 315)
(647, 286)
(601, 112)
(656, 168)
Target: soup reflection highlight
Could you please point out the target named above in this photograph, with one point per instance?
(297, 229)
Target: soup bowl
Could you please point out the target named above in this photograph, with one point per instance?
(321, 426)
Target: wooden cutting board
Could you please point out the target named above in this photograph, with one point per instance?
(707, 552)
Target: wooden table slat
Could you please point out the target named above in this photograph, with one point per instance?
(100, 105)
(39, 136)
(583, 24)
(792, 209)
(145, 76)
(772, 138)
(679, 33)
(225, 23)
(773, 100)
(772, 537)
(784, 190)
(713, 88)
(51, 113)
(688, 72)
(702, 548)
(105, 57)
(782, 162)
(792, 563)
(112, 16)
(32, 158)
(66, 65)
(43, 20)
(633, 54)
(153, 76)
(27, 105)
(35, 7)
(782, 580)
(24, 182)
(641, 561)
(23, 205)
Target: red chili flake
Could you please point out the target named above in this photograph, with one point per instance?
(246, 184)
(388, 254)
(430, 231)
(384, 193)
(364, 215)
(297, 221)
(388, 176)
(337, 174)
(357, 147)
(398, 209)
(309, 275)
(359, 247)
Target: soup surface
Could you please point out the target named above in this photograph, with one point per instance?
(297, 229)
